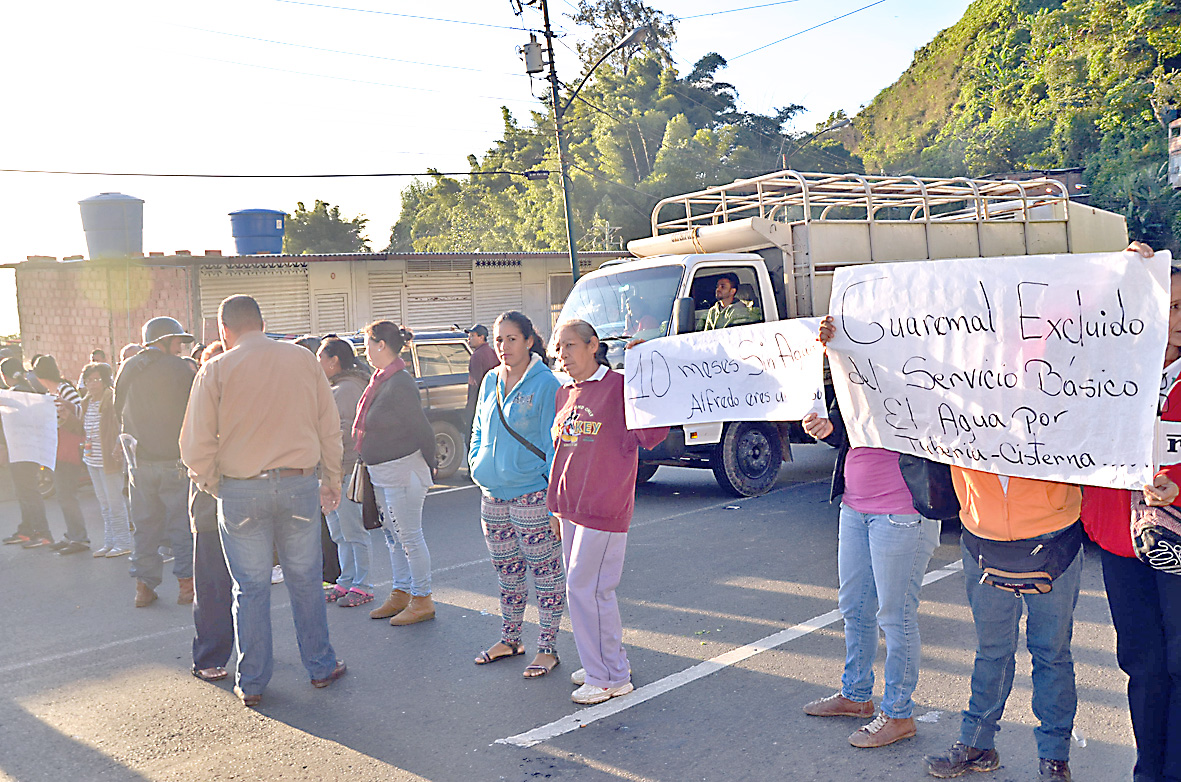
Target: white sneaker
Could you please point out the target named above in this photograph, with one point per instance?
(588, 693)
(277, 574)
(578, 678)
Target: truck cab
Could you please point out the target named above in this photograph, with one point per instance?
(783, 236)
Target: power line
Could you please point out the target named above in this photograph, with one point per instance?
(733, 10)
(345, 78)
(526, 174)
(392, 13)
(793, 35)
(351, 54)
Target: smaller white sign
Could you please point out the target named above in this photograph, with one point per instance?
(760, 372)
(30, 427)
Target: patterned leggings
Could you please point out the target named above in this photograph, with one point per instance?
(518, 534)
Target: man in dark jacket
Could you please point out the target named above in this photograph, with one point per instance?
(33, 531)
(151, 395)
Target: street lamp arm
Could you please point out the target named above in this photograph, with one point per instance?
(635, 36)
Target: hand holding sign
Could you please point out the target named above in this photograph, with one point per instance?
(1043, 366)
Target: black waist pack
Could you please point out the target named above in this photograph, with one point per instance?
(1025, 567)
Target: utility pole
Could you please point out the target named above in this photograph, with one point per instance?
(553, 81)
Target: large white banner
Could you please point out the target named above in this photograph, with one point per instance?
(1040, 366)
(30, 427)
(760, 372)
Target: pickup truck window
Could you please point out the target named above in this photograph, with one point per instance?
(626, 302)
(704, 294)
(443, 358)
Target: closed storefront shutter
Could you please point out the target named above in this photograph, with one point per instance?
(332, 313)
(281, 291)
(438, 299)
(385, 295)
(496, 292)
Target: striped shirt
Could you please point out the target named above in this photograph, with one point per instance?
(92, 450)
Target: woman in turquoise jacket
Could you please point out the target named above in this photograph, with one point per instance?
(510, 458)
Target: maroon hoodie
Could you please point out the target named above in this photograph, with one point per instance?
(593, 480)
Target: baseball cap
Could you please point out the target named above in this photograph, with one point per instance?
(479, 328)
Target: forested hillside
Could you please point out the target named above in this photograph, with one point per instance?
(1021, 84)
(638, 132)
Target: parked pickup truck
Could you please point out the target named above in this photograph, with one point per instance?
(784, 235)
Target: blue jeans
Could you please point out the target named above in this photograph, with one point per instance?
(401, 518)
(352, 542)
(881, 559)
(997, 614)
(255, 518)
(160, 513)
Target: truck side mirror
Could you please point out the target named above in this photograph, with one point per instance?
(684, 316)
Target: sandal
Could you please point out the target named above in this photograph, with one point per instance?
(335, 593)
(534, 670)
(354, 597)
(517, 648)
(210, 674)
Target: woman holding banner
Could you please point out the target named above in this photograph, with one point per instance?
(1146, 602)
(884, 545)
(592, 492)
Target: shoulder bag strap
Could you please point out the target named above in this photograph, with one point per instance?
(533, 449)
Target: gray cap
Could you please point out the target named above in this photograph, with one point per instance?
(163, 327)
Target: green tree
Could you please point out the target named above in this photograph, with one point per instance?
(322, 230)
(638, 132)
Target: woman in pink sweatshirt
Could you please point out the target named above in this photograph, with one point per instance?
(592, 491)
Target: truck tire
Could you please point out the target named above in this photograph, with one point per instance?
(746, 461)
(645, 472)
(449, 449)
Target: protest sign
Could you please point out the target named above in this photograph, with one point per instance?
(760, 372)
(30, 427)
(1040, 366)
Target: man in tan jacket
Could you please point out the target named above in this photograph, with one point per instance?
(261, 418)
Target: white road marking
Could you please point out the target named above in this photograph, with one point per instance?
(584, 717)
(448, 491)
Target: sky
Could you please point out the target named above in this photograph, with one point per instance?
(347, 86)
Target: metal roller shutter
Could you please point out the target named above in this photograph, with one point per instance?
(332, 313)
(281, 291)
(438, 299)
(385, 295)
(496, 292)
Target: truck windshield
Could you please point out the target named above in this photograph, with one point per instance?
(627, 303)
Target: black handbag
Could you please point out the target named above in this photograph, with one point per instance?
(1025, 567)
(931, 489)
(361, 490)
(1156, 535)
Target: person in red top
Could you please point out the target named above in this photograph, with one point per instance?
(592, 492)
(1145, 602)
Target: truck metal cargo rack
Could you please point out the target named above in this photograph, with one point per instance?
(791, 196)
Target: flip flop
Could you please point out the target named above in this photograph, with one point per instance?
(518, 649)
(536, 669)
(211, 674)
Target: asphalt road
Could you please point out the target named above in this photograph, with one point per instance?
(729, 615)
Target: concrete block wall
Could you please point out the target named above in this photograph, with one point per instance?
(68, 310)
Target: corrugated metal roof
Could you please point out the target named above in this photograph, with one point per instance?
(204, 260)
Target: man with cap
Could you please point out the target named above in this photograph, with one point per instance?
(483, 359)
(257, 452)
(33, 530)
(151, 395)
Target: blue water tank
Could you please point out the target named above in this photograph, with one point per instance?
(114, 225)
(257, 230)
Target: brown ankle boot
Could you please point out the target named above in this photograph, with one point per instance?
(186, 591)
(419, 610)
(397, 601)
(144, 594)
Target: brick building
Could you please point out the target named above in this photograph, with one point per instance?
(67, 309)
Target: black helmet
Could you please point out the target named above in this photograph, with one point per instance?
(163, 327)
